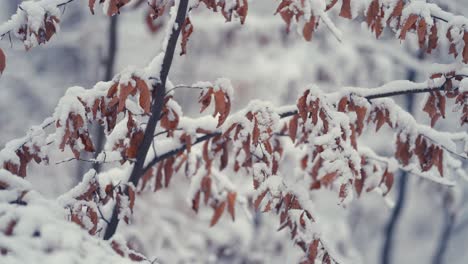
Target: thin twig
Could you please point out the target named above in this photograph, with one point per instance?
(182, 86)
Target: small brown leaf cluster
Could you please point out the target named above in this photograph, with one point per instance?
(317, 113)
(119, 92)
(288, 11)
(157, 8)
(93, 196)
(169, 117)
(162, 173)
(463, 36)
(239, 9)
(25, 155)
(221, 100)
(129, 149)
(126, 252)
(428, 154)
(114, 6)
(75, 131)
(42, 35)
(435, 105)
(380, 116)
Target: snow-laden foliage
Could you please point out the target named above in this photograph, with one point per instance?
(150, 140)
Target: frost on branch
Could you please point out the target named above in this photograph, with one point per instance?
(33, 228)
(34, 23)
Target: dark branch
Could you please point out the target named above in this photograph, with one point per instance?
(177, 150)
(159, 90)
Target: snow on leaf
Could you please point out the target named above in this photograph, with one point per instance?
(403, 153)
(422, 32)
(409, 24)
(222, 106)
(433, 39)
(145, 96)
(330, 5)
(313, 250)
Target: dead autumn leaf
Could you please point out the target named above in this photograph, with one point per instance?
(409, 23)
(222, 106)
(433, 39)
(242, 10)
(346, 9)
(403, 153)
(115, 5)
(309, 29)
(145, 96)
(422, 32)
(231, 201)
(292, 127)
(2, 61)
(187, 29)
(91, 6)
(217, 214)
(313, 250)
(465, 48)
(330, 5)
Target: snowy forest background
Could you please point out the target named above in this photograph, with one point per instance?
(263, 62)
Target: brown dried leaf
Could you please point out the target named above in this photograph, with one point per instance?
(292, 127)
(206, 188)
(432, 108)
(346, 9)
(403, 153)
(259, 199)
(125, 91)
(309, 28)
(205, 98)
(217, 214)
(242, 10)
(168, 171)
(115, 5)
(187, 29)
(330, 5)
(328, 178)
(313, 250)
(433, 39)
(465, 48)
(2, 61)
(388, 180)
(196, 202)
(222, 106)
(231, 201)
(135, 142)
(438, 156)
(422, 31)
(91, 6)
(397, 12)
(145, 95)
(409, 23)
